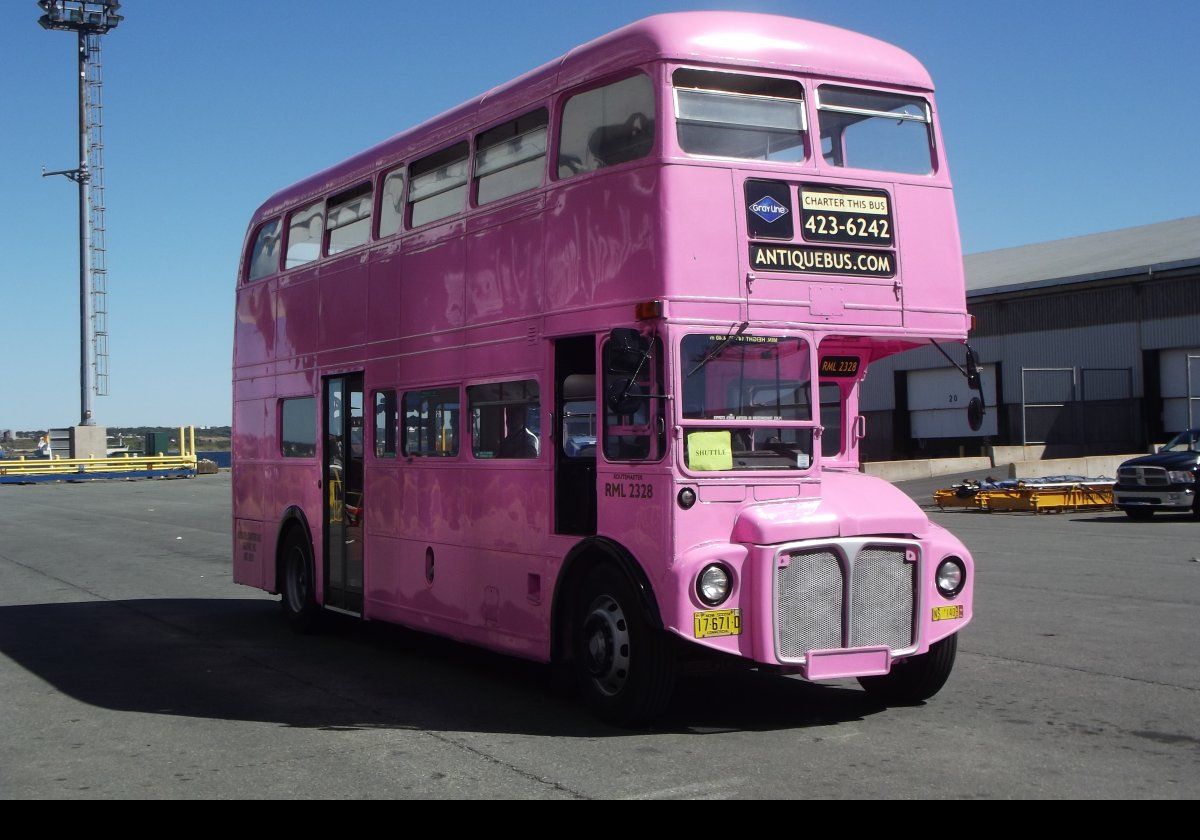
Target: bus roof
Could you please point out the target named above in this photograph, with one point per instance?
(770, 42)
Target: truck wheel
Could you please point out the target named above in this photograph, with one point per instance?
(624, 665)
(298, 590)
(916, 678)
(1141, 514)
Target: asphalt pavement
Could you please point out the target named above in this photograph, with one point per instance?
(132, 666)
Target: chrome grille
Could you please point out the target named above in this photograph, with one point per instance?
(881, 601)
(1143, 476)
(809, 592)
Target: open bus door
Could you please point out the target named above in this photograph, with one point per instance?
(342, 465)
(576, 435)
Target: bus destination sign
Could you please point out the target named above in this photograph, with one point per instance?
(839, 367)
(850, 217)
(798, 259)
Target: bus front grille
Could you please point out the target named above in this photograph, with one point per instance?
(812, 591)
(811, 595)
(881, 604)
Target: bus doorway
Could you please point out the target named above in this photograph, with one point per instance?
(575, 452)
(342, 466)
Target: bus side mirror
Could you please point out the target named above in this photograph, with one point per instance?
(623, 395)
(975, 414)
(627, 351)
(973, 379)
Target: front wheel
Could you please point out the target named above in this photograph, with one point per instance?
(299, 593)
(917, 678)
(624, 665)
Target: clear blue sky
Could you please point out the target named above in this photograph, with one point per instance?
(1061, 118)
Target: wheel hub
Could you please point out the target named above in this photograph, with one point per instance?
(606, 645)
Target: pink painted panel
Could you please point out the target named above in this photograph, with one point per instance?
(602, 238)
(505, 277)
(297, 307)
(434, 283)
(343, 296)
(254, 322)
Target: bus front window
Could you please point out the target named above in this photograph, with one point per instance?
(739, 116)
(746, 377)
(869, 129)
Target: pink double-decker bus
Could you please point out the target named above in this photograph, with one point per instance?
(571, 371)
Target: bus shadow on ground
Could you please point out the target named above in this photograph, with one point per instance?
(234, 659)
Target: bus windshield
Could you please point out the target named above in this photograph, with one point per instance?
(868, 129)
(739, 116)
(746, 377)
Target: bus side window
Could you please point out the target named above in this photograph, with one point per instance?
(511, 158)
(431, 423)
(298, 427)
(348, 221)
(606, 126)
(264, 256)
(391, 206)
(505, 419)
(305, 231)
(385, 424)
(636, 429)
(437, 185)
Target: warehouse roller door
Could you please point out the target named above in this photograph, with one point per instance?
(937, 403)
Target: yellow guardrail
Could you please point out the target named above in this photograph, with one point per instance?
(185, 460)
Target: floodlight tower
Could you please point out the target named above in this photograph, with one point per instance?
(89, 20)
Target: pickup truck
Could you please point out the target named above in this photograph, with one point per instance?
(1167, 480)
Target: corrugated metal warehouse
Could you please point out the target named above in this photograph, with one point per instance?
(1090, 344)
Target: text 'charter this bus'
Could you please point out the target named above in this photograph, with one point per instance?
(571, 371)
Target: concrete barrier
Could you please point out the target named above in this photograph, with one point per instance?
(1092, 466)
(926, 468)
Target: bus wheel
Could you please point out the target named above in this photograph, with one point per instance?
(299, 595)
(624, 666)
(916, 678)
(1139, 513)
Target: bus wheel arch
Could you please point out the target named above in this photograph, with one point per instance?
(295, 572)
(609, 637)
(587, 554)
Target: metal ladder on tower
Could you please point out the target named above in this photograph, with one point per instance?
(93, 105)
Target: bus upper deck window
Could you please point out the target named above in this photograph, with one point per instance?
(739, 116)
(867, 129)
(348, 221)
(264, 256)
(391, 207)
(437, 185)
(510, 158)
(305, 231)
(606, 126)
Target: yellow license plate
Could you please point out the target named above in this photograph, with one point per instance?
(947, 613)
(718, 623)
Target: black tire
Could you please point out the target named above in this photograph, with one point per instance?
(917, 678)
(296, 582)
(1141, 514)
(624, 665)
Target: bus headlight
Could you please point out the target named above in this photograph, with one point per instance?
(713, 584)
(951, 577)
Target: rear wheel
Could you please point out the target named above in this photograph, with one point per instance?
(624, 665)
(299, 593)
(917, 678)
(1139, 513)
